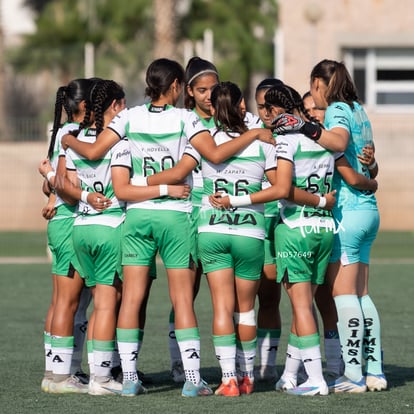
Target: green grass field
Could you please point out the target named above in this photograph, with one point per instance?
(25, 293)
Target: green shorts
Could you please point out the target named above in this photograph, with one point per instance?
(98, 253)
(59, 236)
(302, 259)
(222, 251)
(269, 242)
(171, 233)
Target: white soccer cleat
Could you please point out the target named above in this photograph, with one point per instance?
(70, 385)
(376, 382)
(344, 384)
(308, 389)
(285, 384)
(104, 386)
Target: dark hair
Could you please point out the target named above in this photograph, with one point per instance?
(340, 86)
(285, 97)
(103, 93)
(305, 111)
(268, 83)
(228, 117)
(196, 67)
(306, 95)
(68, 97)
(161, 73)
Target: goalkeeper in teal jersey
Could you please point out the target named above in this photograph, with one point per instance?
(347, 128)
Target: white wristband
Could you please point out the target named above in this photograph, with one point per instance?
(163, 190)
(322, 202)
(373, 165)
(84, 196)
(49, 175)
(138, 180)
(240, 201)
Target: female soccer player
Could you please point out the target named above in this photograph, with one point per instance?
(66, 318)
(268, 316)
(96, 232)
(158, 133)
(347, 128)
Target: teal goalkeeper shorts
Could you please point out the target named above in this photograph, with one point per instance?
(357, 231)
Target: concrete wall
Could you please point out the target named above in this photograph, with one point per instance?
(20, 183)
(312, 30)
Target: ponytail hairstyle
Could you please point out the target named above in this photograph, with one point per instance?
(340, 86)
(195, 68)
(161, 73)
(69, 98)
(102, 94)
(228, 116)
(268, 83)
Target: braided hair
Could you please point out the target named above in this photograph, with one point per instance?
(103, 93)
(284, 96)
(69, 98)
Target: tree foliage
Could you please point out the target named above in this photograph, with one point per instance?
(122, 33)
(243, 35)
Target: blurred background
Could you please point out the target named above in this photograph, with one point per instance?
(46, 43)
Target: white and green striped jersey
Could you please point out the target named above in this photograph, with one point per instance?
(240, 175)
(157, 138)
(95, 176)
(65, 210)
(313, 168)
(252, 120)
(272, 207)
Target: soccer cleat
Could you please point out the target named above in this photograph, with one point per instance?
(70, 385)
(344, 384)
(231, 389)
(376, 382)
(192, 390)
(177, 372)
(308, 389)
(285, 384)
(45, 384)
(47, 379)
(265, 373)
(246, 385)
(131, 388)
(104, 386)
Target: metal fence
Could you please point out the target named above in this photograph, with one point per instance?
(23, 129)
